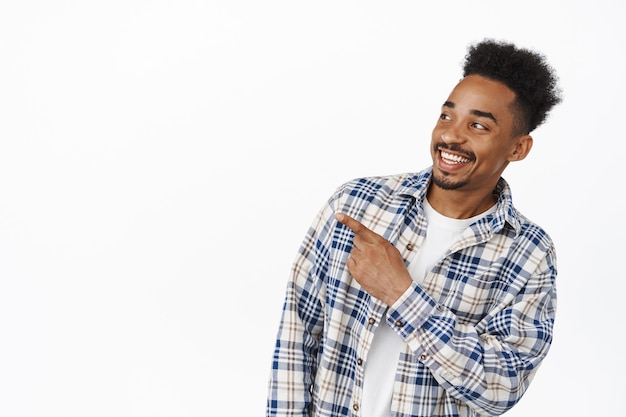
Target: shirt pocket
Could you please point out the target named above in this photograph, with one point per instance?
(471, 297)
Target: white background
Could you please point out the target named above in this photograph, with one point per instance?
(160, 162)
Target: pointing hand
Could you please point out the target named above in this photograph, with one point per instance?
(375, 263)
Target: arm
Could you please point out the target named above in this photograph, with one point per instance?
(295, 356)
(489, 365)
(486, 365)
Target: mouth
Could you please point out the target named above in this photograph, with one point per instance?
(453, 159)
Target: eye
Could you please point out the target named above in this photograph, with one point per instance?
(444, 116)
(478, 126)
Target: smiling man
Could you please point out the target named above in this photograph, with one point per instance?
(473, 142)
(428, 293)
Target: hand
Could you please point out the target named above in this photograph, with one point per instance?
(375, 263)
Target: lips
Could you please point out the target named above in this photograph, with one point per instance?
(452, 159)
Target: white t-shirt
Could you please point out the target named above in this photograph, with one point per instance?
(382, 360)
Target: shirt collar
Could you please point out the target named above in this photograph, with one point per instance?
(415, 186)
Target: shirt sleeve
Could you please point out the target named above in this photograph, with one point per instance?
(489, 365)
(295, 356)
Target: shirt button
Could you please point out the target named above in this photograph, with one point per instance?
(355, 407)
(399, 323)
(410, 246)
(359, 361)
(423, 357)
(371, 320)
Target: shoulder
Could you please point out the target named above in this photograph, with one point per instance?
(365, 187)
(379, 199)
(533, 232)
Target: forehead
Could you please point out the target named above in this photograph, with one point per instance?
(475, 92)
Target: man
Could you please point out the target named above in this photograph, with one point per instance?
(428, 294)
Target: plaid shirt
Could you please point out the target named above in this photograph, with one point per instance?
(475, 330)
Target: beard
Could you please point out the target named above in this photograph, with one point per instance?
(443, 180)
(446, 183)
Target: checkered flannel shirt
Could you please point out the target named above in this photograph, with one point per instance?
(475, 331)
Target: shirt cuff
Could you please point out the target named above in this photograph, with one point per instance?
(411, 310)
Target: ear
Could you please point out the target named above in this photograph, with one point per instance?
(522, 147)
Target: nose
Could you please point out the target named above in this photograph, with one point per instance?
(452, 133)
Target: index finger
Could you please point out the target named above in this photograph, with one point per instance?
(356, 226)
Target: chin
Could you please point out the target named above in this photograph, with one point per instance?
(445, 183)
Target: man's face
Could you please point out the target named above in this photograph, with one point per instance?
(472, 141)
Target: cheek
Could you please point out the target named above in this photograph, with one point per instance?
(493, 160)
(434, 140)
(436, 134)
(437, 130)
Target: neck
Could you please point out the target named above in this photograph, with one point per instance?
(458, 204)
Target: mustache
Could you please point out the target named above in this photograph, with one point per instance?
(454, 148)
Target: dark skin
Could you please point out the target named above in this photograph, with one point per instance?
(472, 144)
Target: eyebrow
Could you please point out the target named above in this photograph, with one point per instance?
(478, 113)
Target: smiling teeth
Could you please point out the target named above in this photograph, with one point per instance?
(453, 159)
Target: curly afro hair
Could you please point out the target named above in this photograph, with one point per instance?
(525, 72)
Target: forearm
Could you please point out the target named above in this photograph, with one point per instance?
(487, 365)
